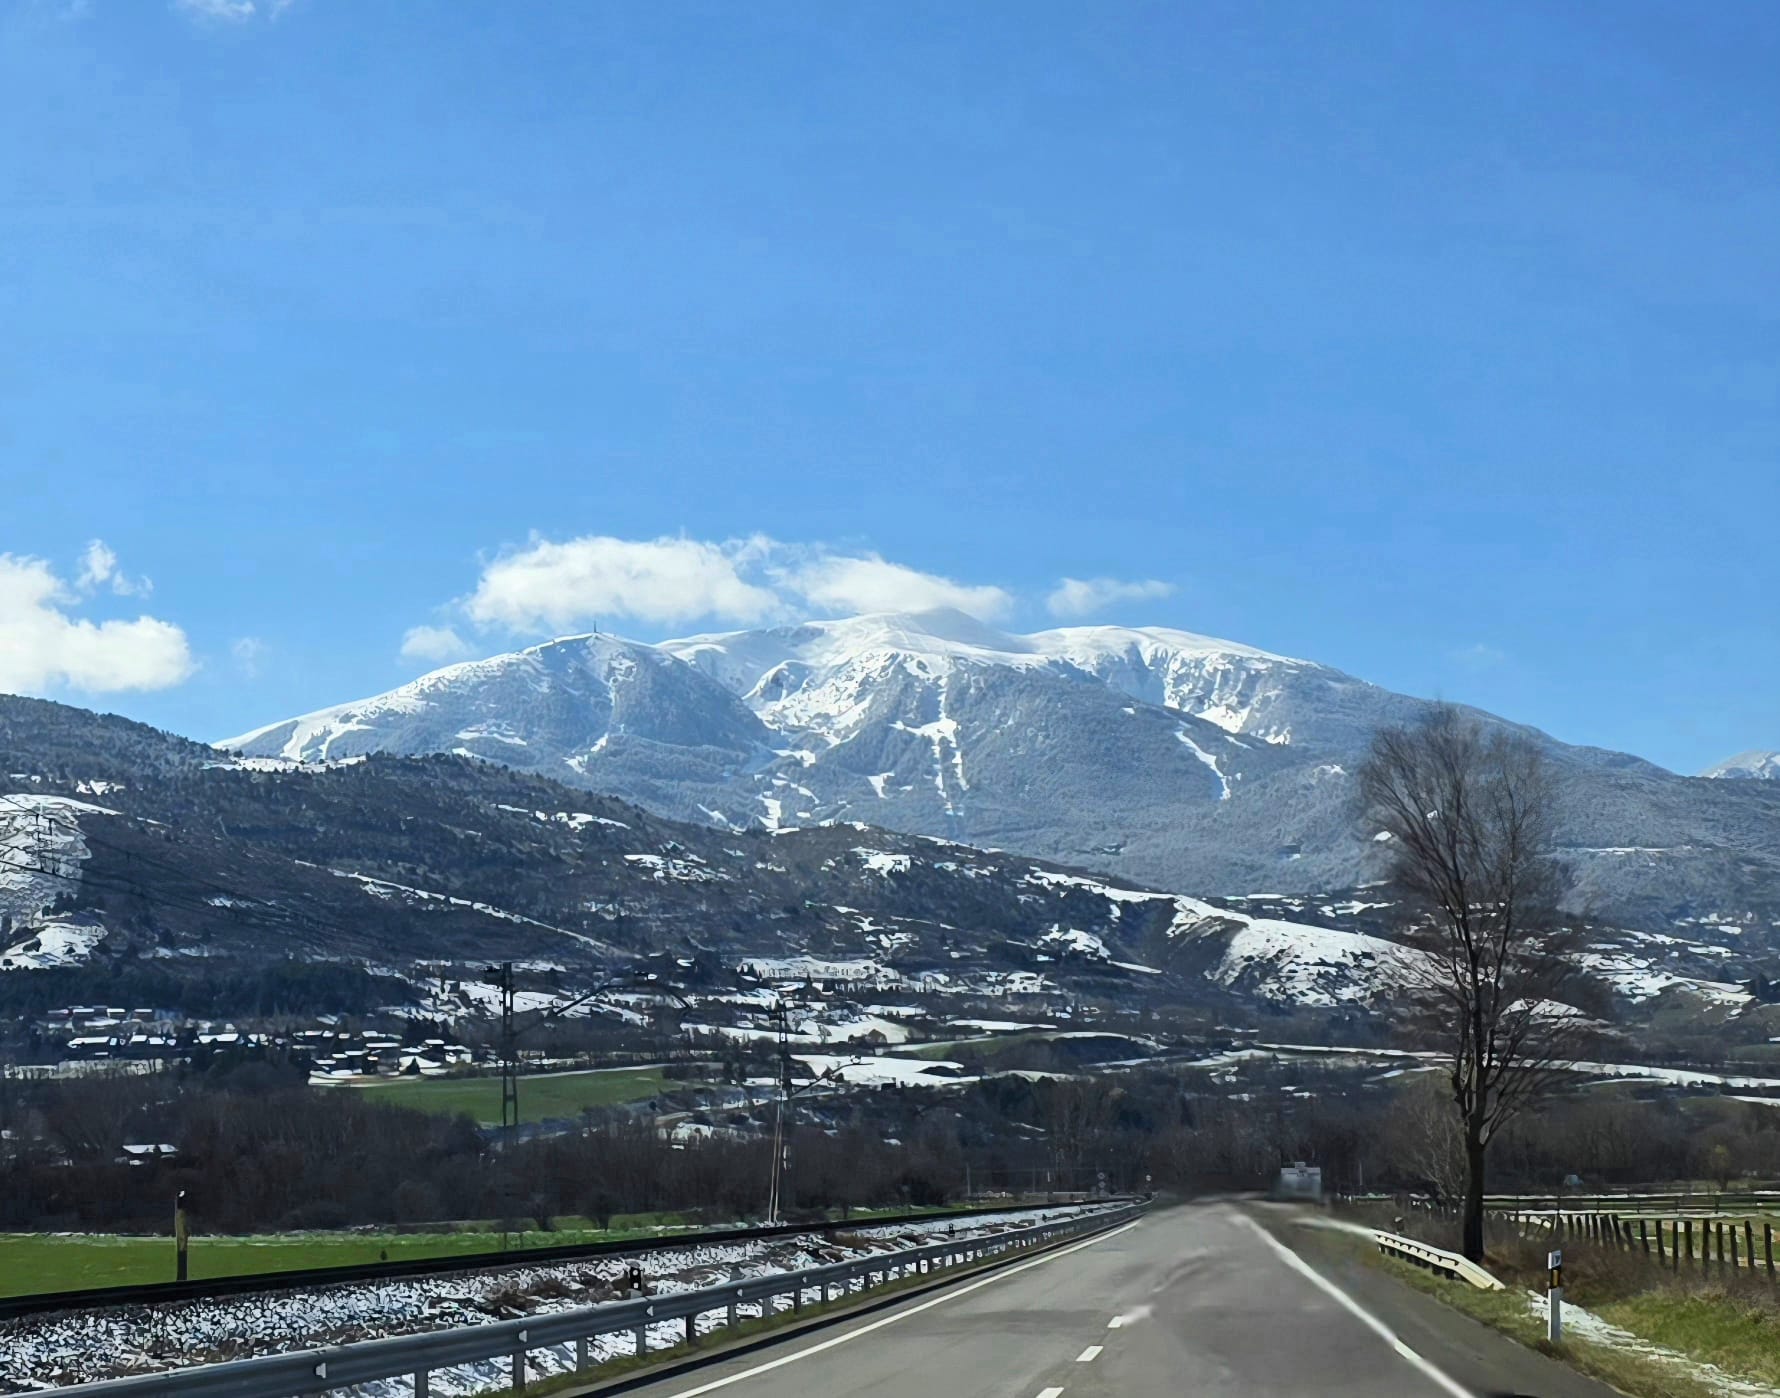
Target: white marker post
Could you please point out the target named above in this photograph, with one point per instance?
(1554, 1325)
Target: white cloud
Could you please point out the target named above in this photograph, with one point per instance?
(436, 645)
(550, 586)
(98, 567)
(248, 651)
(224, 11)
(1078, 597)
(869, 583)
(43, 648)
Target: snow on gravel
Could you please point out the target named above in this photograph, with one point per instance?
(67, 1347)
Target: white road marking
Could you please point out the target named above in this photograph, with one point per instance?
(1365, 1316)
(1089, 1355)
(1115, 1322)
(1050, 1393)
(1136, 1313)
(950, 1294)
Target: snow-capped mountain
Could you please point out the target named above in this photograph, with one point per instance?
(1171, 758)
(1759, 763)
(594, 710)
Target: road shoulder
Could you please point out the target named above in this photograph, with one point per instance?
(1466, 1350)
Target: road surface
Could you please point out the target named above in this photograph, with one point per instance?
(1189, 1301)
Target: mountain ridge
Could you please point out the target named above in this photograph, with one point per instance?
(1178, 760)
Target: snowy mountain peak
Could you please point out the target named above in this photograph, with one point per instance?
(577, 692)
(1757, 763)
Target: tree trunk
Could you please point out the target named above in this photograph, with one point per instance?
(1473, 1212)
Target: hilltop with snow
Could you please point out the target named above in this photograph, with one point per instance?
(1167, 757)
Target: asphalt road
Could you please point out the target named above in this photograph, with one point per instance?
(1190, 1301)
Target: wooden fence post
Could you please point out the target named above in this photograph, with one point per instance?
(1644, 1237)
(1661, 1256)
(1688, 1223)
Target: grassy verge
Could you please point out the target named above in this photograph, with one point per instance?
(1728, 1320)
(31, 1263)
(547, 1095)
(38, 1262)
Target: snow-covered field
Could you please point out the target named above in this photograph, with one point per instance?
(43, 1351)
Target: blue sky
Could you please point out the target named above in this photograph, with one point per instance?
(1438, 343)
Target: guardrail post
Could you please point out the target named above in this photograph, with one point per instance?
(519, 1368)
(420, 1384)
(1644, 1237)
(581, 1351)
(730, 1320)
(1689, 1224)
(1661, 1256)
(642, 1339)
(797, 1298)
(1749, 1241)
(691, 1331)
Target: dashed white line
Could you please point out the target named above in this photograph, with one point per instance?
(946, 1297)
(1365, 1316)
(1089, 1355)
(1050, 1393)
(1115, 1322)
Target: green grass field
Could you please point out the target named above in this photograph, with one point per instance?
(547, 1095)
(37, 1262)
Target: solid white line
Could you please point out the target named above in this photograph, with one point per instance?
(1089, 1355)
(1360, 1312)
(950, 1294)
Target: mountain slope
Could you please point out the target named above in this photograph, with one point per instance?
(180, 877)
(1170, 758)
(1757, 763)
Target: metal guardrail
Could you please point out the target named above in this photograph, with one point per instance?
(324, 1370)
(154, 1293)
(1436, 1259)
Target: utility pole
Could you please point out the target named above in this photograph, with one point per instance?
(782, 1022)
(509, 1051)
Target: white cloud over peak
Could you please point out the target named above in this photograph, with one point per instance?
(1079, 597)
(551, 586)
(44, 648)
(555, 586)
(868, 583)
(435, 645)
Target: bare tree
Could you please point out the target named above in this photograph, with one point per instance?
(1468, 814)
(1426, 1137)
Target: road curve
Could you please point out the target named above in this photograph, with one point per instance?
(1194, 1300)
